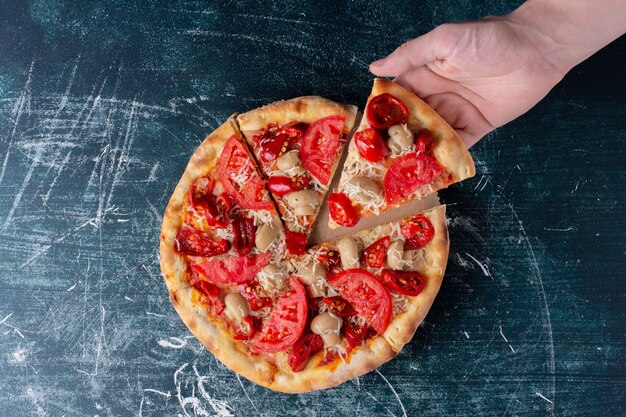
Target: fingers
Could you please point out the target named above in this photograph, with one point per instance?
(414, 53)
(425, 82)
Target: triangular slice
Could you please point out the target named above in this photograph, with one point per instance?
(298, 144)
(402, 150)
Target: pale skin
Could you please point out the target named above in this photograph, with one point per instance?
(482, 74)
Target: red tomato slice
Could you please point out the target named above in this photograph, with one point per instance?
(276, 140)
(385, 110)
(339, 306)
(408, 173)
(367, 294)
(417, 231)
(404, 282)
(296, 243)
(233, 270)
(354, 334)
(341, 210)
(319, 146)
(370, 144)
(248, 291)
(280, 185)
(286, 323)
(200, 192)
(217, 210)
(300, 353)
(190, 241)
(246, 330)
(244, 231)
(376, 253)
(424, 142)
(329, 258)
(211, 295)
(235, 165)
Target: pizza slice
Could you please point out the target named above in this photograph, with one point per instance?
(402, 150)
(298, 144)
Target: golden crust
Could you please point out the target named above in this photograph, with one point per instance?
(402, 327)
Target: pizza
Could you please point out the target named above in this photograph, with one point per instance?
(402, 150)
(291, 320)
(298, 144)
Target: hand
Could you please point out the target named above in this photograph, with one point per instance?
(477, 75)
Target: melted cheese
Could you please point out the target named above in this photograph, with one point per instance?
(374, 203)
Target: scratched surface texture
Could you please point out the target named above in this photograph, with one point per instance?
(101, 105)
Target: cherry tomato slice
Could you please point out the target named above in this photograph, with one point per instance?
(280, 185)
(232, 270)
(244, 231)
(217, 210)
(367, 294)
(341, 210)
(329, 258)
(211, 296)
(424, 142)
(200, 192)
(354, 334)
(246, 330)
(408, 173)
(190, 241)
(248, 291)
(319, 146)
(276, 140)
(376, 253)
(370, 144)
(239, 177)
(286, 323)
(300, 353)
(385, 110)
(339, 306)
(417, 231)
(296, 243)
(404, 282)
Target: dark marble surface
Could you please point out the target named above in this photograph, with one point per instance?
(101, 105)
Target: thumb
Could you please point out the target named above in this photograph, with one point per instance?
(414, 53)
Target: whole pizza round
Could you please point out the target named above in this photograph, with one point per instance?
(234, 248)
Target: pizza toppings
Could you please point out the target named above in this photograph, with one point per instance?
(319, 145)
(348, 253)
(306, 346)
(232, 270)
(363, 190)
(218, 209)
(210, 296)
(249, 292)
(200, 192)
(375, 253)
(395, 254)
(354, 334)
(341, 210)
(303, 202)
(280, 185)
(339, 306)
(276, 140)
(328, 326)
(265, 236)
(400, 139)
(367, 294)
(424, 141)
(370, 144)
(246, 330)
(286, 323)
(408, 173)
(314, 275)
(290, 163)
(417, 231)
(244, 230)
(296, 243)
(329, 258)
(404, 282)
(192, 242)
(385, 110)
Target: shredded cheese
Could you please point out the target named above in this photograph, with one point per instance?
(398, 303)
(368, 200)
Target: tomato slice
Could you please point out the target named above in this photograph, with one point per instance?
(319, 146)
(341, 210)
(300, 353)
(200, 192)
(232, 270)
(376, 253)
(246, 331)
(296, 243)
(385, 110)
(408, 173)
(239, 177)
(286, 323)
(354, 334)
(339, 306)
(248, 291)
(280, 185)
(370, 144)
(404, 282)
(329, 258)
(190, 241)
(275, 140)
(367, 294)
(424, 142)
(211, 296)
(217, 210)
(244, 231)
(417, 231)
